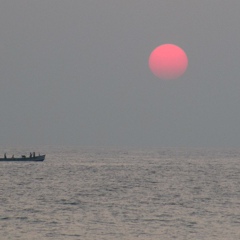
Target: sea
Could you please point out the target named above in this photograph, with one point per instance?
(107, 193)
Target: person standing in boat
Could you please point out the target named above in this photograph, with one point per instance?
(5, 155)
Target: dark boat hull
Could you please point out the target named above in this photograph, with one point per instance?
(24, 159)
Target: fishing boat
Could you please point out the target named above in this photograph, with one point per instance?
(23, 158)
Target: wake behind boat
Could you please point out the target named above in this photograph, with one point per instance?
(23, 158)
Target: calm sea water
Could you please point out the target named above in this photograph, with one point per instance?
(100, 193)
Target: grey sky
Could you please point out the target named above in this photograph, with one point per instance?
(76, 72)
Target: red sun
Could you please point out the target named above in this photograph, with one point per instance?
(168, 61)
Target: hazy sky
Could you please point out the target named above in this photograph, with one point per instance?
(75, 72)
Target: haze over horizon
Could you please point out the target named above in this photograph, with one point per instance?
(76, 73)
